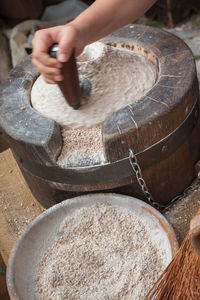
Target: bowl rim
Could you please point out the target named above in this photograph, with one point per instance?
(10, 276)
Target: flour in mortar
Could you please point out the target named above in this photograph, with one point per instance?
(118, 77)
(103, 252)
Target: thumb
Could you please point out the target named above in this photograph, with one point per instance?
(66, 45)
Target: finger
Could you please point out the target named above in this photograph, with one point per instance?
(50, 74)
(49, 81)
(42, 40)
(46, 70)
(46, 60)
(55, 78)
(41, 44)
(66, 40)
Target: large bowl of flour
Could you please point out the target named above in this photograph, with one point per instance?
(97, 246)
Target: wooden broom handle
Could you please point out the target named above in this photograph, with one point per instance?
(194, 233)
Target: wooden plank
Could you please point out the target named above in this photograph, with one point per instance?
(17, 205)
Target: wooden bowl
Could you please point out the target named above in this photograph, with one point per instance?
(40, 233)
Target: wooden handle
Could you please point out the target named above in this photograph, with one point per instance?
(194, 234)
(69, 87)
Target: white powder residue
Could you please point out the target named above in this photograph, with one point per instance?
(118, 77)
(103, 252)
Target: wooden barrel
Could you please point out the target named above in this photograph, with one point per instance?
(153, 141)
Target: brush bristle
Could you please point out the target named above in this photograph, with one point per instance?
(181, 279)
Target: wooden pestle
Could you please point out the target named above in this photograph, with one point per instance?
(69, 86)
(194, 233)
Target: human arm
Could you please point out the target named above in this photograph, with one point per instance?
(100, 19)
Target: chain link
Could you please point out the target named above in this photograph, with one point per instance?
(136, 168)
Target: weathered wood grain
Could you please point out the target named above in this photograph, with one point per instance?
(137, 126)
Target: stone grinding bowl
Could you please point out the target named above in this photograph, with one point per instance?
(41, 232)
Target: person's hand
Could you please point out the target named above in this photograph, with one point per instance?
(68, 38)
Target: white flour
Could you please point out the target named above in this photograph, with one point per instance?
(104, 252)
(118, 77)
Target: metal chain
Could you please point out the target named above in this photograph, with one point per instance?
(136, 168)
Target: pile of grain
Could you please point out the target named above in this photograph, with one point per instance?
(81, 147)
(103, 252)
